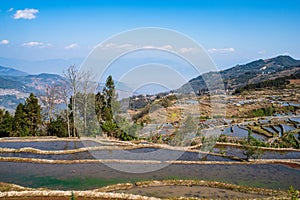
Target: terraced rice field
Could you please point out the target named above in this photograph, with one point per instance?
(86, 165)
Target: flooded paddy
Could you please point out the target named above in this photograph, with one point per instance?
(133, 154)
(49, 145)
(266, 153)
(90, 175)
(241, 132)
(295, 119)
(95, 175)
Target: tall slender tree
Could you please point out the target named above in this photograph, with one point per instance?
(50, 100)
(20, 127)
(106, 105)
(33, 114)
(64, 92)
(6, 125)
(73, 78)
(2, 111)
(86, 89)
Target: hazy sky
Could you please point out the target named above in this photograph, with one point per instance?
(233, 32)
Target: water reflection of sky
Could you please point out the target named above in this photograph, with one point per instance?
(295, 119)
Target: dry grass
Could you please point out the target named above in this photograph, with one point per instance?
(12, 191)
(5, 187)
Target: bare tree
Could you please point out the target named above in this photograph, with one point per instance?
(87, 87)
(50, 99)
(64, 93)
(73, 78)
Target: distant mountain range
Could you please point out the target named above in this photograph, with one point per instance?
(23, 82)
(6, 71)
(52, 66)
(241, 75)
(15, 85)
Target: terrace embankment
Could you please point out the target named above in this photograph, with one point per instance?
(74, 164)
(166, 189)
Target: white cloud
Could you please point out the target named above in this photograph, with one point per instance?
(224, 50)
(36, 44)
(10, 10)
(186, 50)
(148, 47)
(167, 47)
(4, 42)
(72, 46)
(118, 46)
(26, 14)
(127, 46)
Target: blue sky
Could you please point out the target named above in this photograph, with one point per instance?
(233, 32)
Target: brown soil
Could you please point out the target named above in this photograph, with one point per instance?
(191, 191)
(52, 198)
(168, 189)
(36, 198)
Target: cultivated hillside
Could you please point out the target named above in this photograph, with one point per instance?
(240, 75)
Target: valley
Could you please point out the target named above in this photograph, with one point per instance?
(241, 143)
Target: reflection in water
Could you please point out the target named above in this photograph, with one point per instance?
(295, 119)
(287, 128)
(91, 175)
(49, 145)
(267, 154)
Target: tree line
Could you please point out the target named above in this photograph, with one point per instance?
(25, 122)
(276, 83)
(69, 110)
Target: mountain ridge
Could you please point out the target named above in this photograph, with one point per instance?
(15, 89)
(11, 71)
(240, 75)
(51, 66)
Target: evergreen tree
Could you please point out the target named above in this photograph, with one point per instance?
(6, 125)
(58, 127)
(20, 127)
(1, 114)
(99, 105)
(105, 105)
(109, 94)
(33, 114)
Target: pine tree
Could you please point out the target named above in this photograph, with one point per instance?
(6, 125)
(20, 127)
(106, 104)
(1, 114)
(58, 127)
(106, 107)
(110, 96)
(33, 114)
(99, 105)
